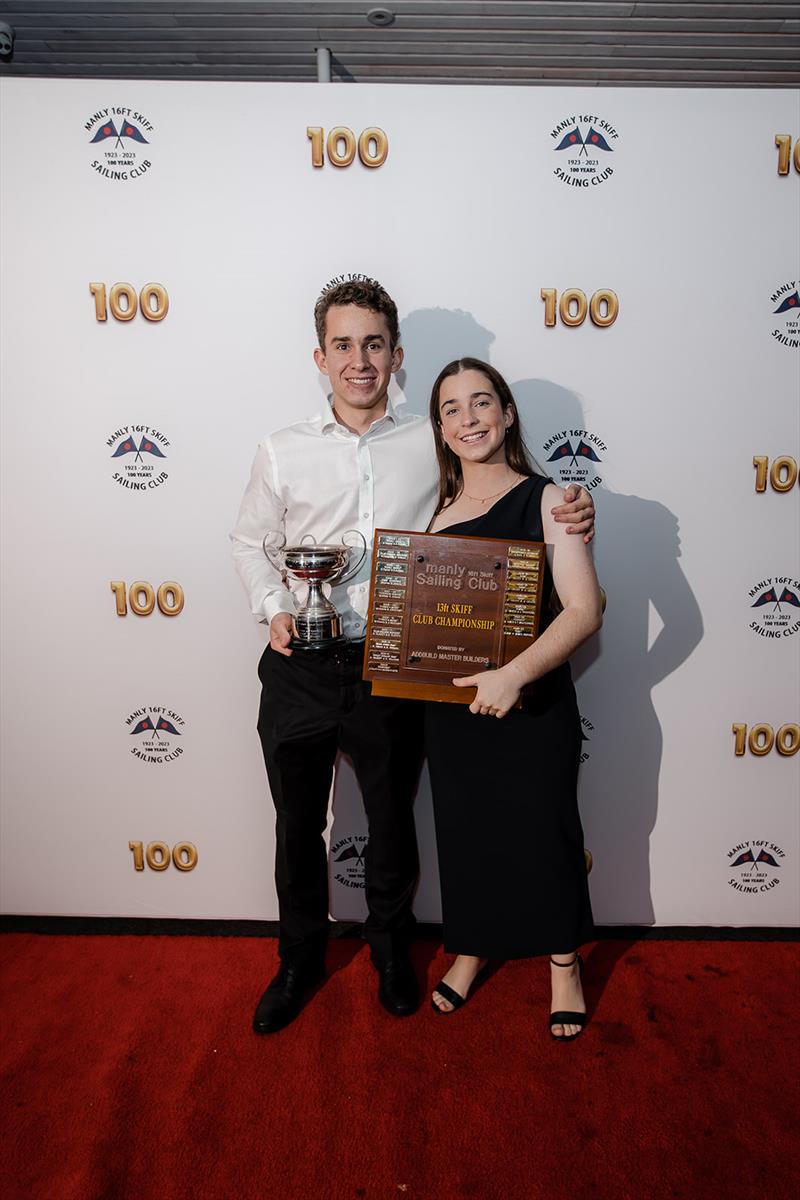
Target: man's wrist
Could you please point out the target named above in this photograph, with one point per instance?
(277, 604)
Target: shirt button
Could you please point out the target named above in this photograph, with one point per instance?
(365, 515)
(366, 476)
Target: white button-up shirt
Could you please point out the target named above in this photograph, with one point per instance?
(317, 477)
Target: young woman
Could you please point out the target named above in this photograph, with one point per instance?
(509, 836)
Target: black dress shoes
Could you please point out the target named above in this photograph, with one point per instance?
(285, 997)
(398, 989)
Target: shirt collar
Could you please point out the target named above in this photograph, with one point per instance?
(329, 422)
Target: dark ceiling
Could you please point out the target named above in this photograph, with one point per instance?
(443, 41)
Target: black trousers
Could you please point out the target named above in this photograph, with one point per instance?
(314, 704)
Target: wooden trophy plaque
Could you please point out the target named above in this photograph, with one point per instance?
(443, 606)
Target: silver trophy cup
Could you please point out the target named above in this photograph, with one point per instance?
(317, 622)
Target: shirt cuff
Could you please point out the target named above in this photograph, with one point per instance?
(276, 602)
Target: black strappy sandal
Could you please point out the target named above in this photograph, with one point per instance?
(567, 1018)
(449, 994)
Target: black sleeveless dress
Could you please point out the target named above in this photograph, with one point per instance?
(508, 832)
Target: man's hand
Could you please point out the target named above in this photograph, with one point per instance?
(577, 508)
(281, 629)
(498, 691)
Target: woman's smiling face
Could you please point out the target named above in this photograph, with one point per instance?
(472, 417)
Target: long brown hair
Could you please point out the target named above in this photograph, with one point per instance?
(451, 479)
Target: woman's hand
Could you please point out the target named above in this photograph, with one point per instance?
(578, 507)
(498, 691)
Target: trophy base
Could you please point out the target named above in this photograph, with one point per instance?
(319, 644)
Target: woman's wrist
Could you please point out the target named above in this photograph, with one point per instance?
(516, 673)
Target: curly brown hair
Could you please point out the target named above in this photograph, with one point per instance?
(365, 293)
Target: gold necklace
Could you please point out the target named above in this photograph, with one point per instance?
(486, 499)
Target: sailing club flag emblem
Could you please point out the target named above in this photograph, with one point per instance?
(350, 852)
(108, 130)
(166, 726)
(774, 603)
(146, 446)
(119, 143)
(139, 454)
(584, 152)
(585, 451)
(163, 726)
(162, 737)
(789, 302)
(763, 856)
(596, 141)
(770, 596)
(572, 140)
(126, 130)
(563, 451)
(348, 856)
(756, 855)
(760, 867)
(126, 447)
(582, 450)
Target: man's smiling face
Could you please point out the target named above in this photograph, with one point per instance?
(359, 361)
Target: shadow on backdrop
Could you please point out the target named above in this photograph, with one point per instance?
(432, 337)
(637, 552)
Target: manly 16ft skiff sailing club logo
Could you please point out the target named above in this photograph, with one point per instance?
(577, 455)
(775, 607)
(755, 866)
(785, 305)
(583, 146)
(120, 141)
(347, 857)
(156, 732)
(139, 453)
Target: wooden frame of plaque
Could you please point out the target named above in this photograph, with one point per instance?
(443, 605)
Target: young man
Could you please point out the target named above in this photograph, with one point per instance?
(358, 464)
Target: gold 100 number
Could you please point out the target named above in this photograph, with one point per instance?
(573, 307)
(782, 474)
(784, 143)
(340, 146)
(762, 738)
(152, 301)
(158, 856)
(142, 598)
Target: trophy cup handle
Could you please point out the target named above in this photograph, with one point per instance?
(271, 551)
(353, 570)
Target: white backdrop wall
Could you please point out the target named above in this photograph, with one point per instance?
(474, 211)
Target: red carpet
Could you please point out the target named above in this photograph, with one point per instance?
(129, 1071)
